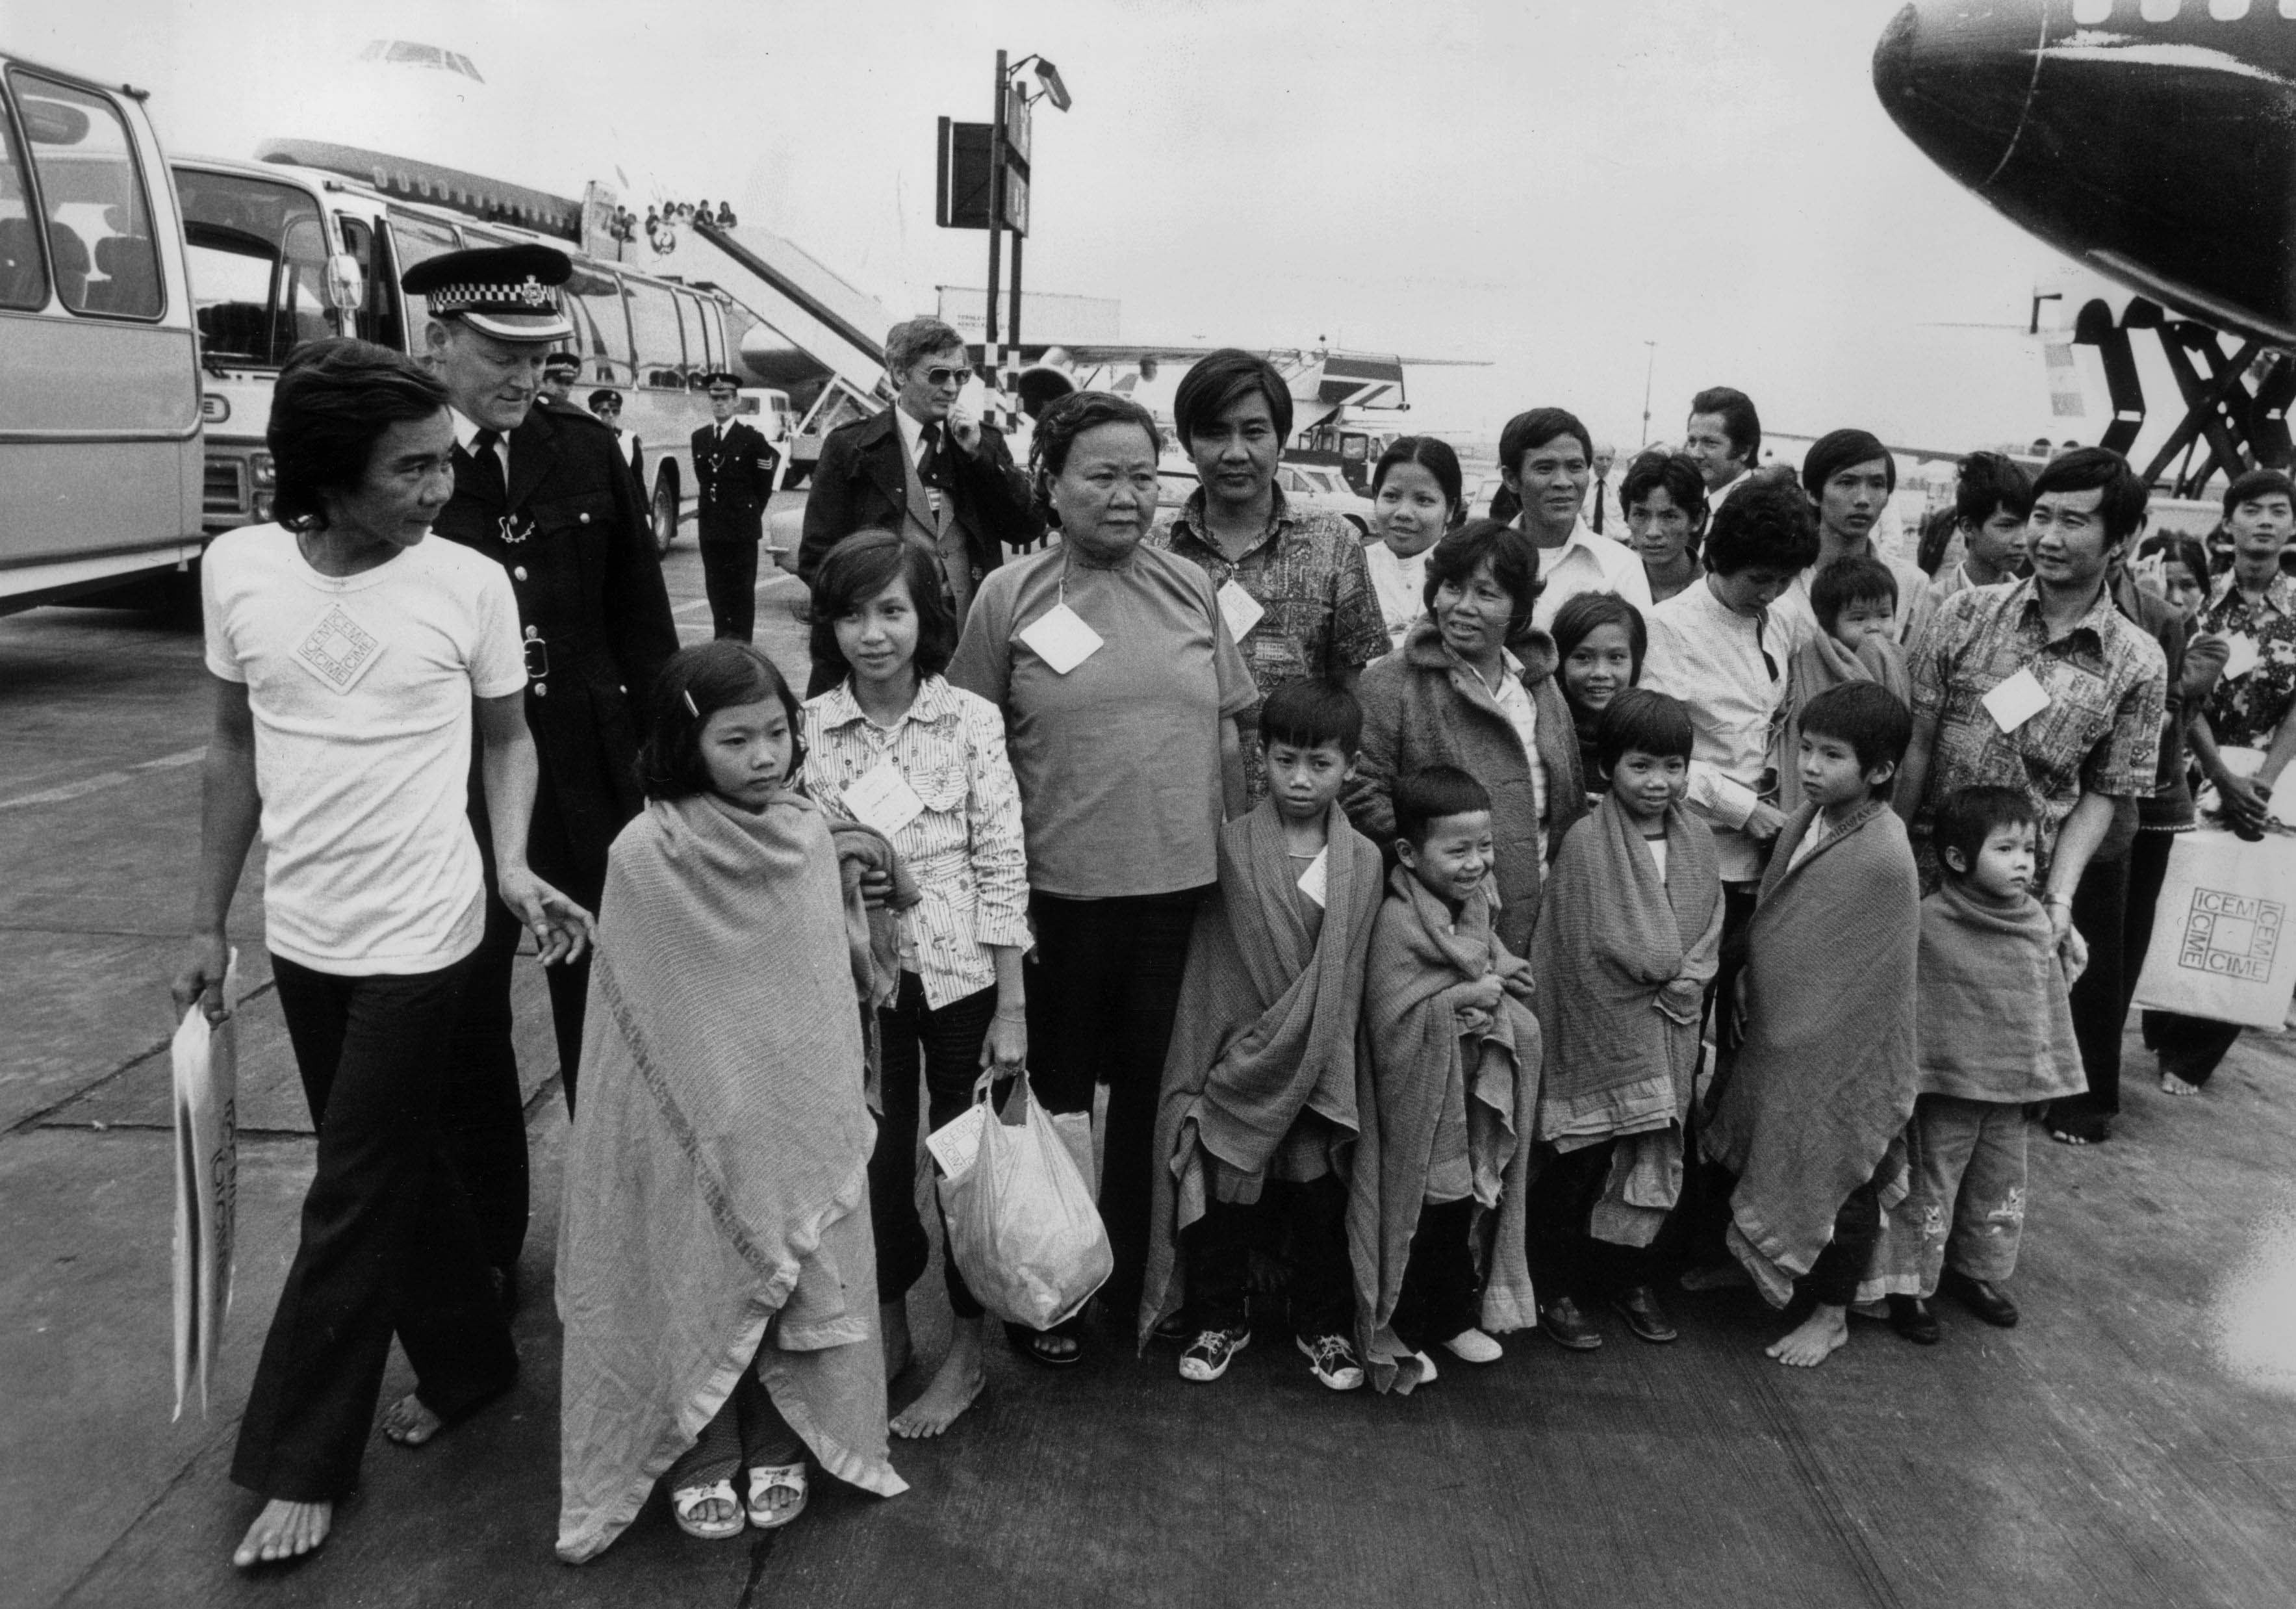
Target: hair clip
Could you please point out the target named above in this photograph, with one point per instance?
(691, 709)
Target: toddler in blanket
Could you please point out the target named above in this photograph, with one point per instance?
(1629, 928)
(1445, 1112)
(1809, 1113)
(1996, 1034)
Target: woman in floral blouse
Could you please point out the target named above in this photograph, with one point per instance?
(895, 746)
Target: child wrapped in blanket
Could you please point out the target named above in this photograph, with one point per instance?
(1628, 933)
(1810, 1113)
(1257, 1115)
(1445, 1100)
(1996, 1034)
(1856, 602)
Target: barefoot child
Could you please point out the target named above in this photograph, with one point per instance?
(715, 1267)
(1809, 1114)
(1627, 943)
(1856, 602)
(1997, 1033)
(1258, 1114)
(1447, 1098)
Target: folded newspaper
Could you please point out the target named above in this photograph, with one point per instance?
(207, 1190)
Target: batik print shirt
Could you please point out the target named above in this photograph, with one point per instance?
(2245, 711)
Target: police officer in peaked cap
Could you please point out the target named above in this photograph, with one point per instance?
(547, 494)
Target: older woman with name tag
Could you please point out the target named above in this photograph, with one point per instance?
(1120, 685)
(894, 746)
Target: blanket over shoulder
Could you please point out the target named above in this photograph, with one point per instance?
(1266, 1028)
(1623, 957)
(716, 1212)
(1420, 1035)
(1823, 1081)
(1997, 1022)
(1818, 664)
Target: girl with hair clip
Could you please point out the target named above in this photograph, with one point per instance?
(716, 1269)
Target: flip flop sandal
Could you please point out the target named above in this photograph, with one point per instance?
(685, 1506)
(764, 1482)
(1031, 1344)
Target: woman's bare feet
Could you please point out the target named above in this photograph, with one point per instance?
(285, 1530)
(893, 1330)
(1814, 1340)
(955, 1384)
(409, 1423)
(2171, 1084)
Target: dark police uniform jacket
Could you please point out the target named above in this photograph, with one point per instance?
(735, 477)
(861, 484)
(592, 610)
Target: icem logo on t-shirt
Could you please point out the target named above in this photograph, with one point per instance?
(337, 649)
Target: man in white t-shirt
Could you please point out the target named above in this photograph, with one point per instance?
(351, 660)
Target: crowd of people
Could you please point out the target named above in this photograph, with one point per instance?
(1474, 931)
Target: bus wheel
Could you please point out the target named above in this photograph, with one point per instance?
(665, 513)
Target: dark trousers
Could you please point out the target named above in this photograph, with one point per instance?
(481, 1111)
(1833, 1277)
(950, 1040)
(1441, 1296)
(2191, 1048)
(1303, 1224)
(729, 572)
(386, 1244)
(1564, 1259)
(1104, 985)
(2100, 997)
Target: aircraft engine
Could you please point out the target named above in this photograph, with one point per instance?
(1041, 386)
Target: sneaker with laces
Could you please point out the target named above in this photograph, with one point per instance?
(1207, 1357)
(1333, 1360)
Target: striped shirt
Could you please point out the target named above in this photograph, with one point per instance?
(964, 848)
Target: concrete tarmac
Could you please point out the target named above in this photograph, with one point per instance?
(2132, 1442)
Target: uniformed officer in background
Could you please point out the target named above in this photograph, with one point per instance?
(606, 404)
(546, 493)
(734, 466)
(560, 371)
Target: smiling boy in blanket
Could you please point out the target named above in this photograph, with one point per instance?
(1810, 1112)
(1257, 1111)
(1628, 932)
(1447, 1099)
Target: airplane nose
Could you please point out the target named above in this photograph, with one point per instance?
(1958, 78)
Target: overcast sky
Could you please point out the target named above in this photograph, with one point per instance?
(1547, 185)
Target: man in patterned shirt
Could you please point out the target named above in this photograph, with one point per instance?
(1293, 583)
(2044, 685)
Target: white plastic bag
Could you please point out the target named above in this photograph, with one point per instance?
(2224, 943)
(1022, 1227)
(207, 1191)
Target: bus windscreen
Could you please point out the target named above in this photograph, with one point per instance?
(259, 260)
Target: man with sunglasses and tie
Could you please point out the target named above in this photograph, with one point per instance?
(733, 472)
(925, 467)
(547, 494)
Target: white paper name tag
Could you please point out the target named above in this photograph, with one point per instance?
(1313, 880)
(1239, 609)
(2239, 656)
(956, 1142)
(1061, 638)
(882, 798)
(337, 649)
(2016, 700)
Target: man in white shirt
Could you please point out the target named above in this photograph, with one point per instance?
(1849, 477)
(1725, 436)
(1547, 459)
(352, 659)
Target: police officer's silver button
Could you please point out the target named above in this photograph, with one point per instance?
(583, 519)
(519, 574)
(532, 632)
(540, 688)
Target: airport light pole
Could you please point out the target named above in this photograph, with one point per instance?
(1011, 97)
(1649, 367)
